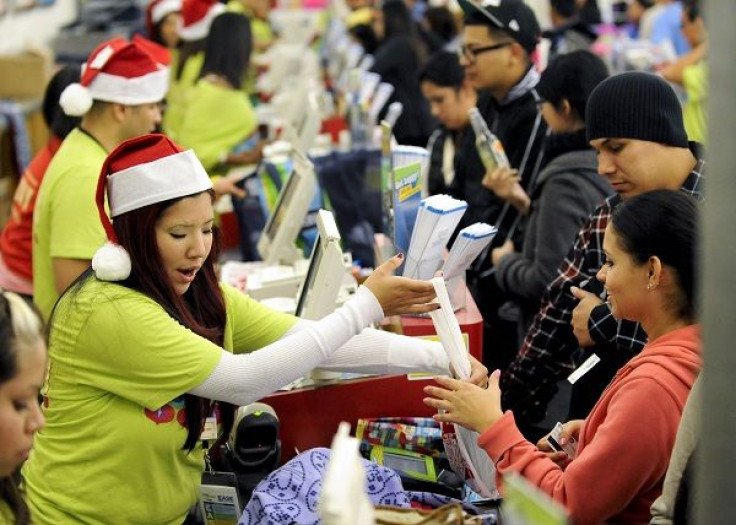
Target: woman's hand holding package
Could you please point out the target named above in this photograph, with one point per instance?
(400, 295)
(464, 403)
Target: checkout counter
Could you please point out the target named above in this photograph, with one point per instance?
(309, 416)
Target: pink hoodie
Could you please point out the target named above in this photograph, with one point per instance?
(625, 443)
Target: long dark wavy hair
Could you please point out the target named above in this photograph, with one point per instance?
(228, 47)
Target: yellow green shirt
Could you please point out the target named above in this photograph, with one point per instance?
(695, 82)
(119, 365)
(216, 120)
(180, 92)
(66, 223)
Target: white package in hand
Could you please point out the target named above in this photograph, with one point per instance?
(466, 458)
(447, 327)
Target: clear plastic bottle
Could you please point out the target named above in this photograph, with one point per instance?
(490, 149)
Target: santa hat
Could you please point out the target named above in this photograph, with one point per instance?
(161, 54)
(116, 71)
(140, 172)
(157, 10)
(197, 17)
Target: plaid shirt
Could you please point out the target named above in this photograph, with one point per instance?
(550, 347)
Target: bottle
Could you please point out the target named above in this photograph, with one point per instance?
(490, 149)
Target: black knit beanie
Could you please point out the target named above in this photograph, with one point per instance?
(635, 105)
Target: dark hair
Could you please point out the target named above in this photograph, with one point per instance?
(572, 77)
(441, 22)
(398, 22)
(443, 69)
(187, 50)
(154, 30)
(397, 19)
(59, 122)
(663, 223)
(365, 35)
(201, 308)
(228, 47)
(564, 8)
(19, 326)
(646, 4)
(691, 8)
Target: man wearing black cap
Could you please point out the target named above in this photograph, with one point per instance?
(499, 39)
(634, 121)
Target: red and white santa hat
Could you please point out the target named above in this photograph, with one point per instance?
(161, 54)
(157, 10)
(116, 71)
(197, 17)
(140, 172)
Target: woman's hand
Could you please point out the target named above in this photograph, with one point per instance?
(464, 403)
(498, 253)
(226, 186)
(478, 373)
(400, 295)
(570, 433)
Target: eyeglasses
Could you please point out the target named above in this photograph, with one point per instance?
(471, 53)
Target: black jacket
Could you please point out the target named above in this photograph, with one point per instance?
(397, 63)
(521, 130)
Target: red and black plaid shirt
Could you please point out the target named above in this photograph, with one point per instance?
(549, 348)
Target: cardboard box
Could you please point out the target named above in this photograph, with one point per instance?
(25, 75)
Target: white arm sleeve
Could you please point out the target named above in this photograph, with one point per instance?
(380, 352)
(244, 378)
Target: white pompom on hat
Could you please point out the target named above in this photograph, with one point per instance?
(140, 172)
(117, 71)
(197, 17)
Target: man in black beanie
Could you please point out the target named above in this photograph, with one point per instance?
(634, 121)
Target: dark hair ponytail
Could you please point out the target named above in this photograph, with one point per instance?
(663, 223)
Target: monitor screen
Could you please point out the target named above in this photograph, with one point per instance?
(404, 463)
(306, 289)
(282, 205)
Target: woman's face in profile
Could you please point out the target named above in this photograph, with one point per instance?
(20, 413)
(184, 239)
(624, 278)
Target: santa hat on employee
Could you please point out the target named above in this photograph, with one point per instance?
(116, 71)
(161, 54)
(157, 10)
(197, 17)
(140, 172)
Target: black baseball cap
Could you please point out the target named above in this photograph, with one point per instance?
(513, 17)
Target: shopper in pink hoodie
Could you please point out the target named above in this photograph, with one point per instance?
(624, 445)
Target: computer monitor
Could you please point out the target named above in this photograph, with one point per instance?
(318, 294)
(277, 242)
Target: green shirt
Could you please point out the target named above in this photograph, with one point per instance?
(216, 120)
(119, 366)
(180, 92)
(66, 223)
(695, 82)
